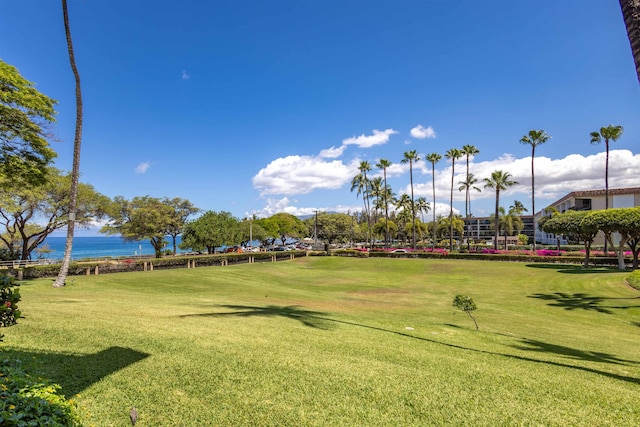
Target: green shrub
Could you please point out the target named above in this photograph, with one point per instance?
(634, 280)
(25, 401)
(9, 298)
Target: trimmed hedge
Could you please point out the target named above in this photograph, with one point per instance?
(136, 264)
(634, 280)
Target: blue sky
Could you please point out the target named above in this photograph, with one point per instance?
(269, 106)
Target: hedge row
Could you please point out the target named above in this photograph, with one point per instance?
(634, 280)
(564, 259)
(103, 267)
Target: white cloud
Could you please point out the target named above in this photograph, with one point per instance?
(367, 141)
(421, 132)
(332, 153)
(275, 206)
(142, 167)
(302, 174)
(185, 75)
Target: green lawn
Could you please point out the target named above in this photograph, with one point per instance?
(340, 341)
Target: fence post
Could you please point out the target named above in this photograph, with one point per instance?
(96, 271)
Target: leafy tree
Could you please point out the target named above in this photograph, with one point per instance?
(182, 210)
(572, 225)
(467, 305)
(452, 154)
(534, 138)
(30, 214)
(24, 115)
(283, 225)
(250, 229)
(433, 158)
(499, 181)
(411, 157)
(332, 226)
(384, 164)
(211, 230)
(139, 219)
(624, 221)
(75, 170)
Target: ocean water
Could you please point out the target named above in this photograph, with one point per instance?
(98, 247)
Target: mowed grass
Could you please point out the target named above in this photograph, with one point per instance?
(340, 341)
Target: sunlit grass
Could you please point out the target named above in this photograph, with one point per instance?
(335, 341)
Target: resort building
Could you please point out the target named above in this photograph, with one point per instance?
(589, 200)
(481, 228)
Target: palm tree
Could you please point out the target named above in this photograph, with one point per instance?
(384, 164)
(468, 151)
(468, 184)
(515, 212)
(361, 183)
(422, 206)
(377, 195)
(534, 138)
(75, 170)
(631, 15)
(608, 133)
(433, 158)
(453, 154)
(499, 181)
(411, 157)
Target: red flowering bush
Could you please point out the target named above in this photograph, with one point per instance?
(9, 297)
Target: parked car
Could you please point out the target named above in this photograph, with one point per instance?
(400, 251)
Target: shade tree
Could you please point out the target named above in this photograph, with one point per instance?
(211, 230)
(29, 214)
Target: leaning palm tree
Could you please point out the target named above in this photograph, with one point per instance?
(468, 184)
(433, 158)
(499, 181)
(75, 169)
(534, 138)
(452, 154)
(384, 164)
(631, 16)
(468, 151)
(411, 157)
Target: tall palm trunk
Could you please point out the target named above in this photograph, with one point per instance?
(496, 223)
(631, 15)
(386, 209)
(466, 207)
(453, 168)
(75, 171)
(533, 195)
(435, 230)
(413, 205)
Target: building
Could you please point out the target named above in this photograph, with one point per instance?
(589, 200)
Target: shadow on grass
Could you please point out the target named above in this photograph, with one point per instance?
(74, 373)
(313, 319)
(306, 317)
(576, 269)
(572, 353)
(550, 348)
(582, 301)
